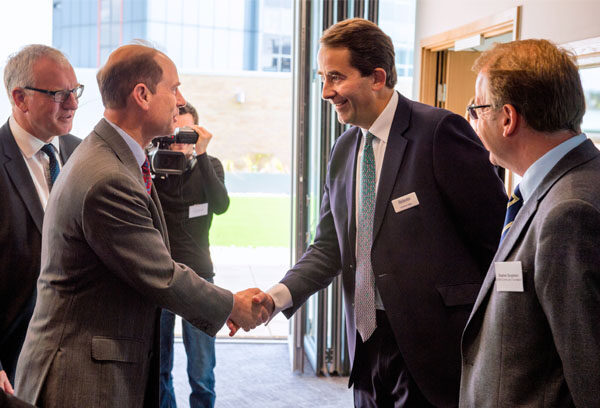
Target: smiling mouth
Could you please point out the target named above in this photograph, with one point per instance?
(339, 104)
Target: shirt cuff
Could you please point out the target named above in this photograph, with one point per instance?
(282, 299)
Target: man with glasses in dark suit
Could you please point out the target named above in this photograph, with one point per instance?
(34, 144)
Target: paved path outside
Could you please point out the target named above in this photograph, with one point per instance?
(241, 268)
(250, 373)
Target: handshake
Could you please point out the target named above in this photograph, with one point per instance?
(251, 307)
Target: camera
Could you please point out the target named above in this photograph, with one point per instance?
(165, 161)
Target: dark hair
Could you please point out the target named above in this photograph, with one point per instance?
(126, 67)
(369, 47)
(539, 79)
(188, 108)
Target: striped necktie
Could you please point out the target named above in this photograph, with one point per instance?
(53, 166)
(364, 292)
(514, 205)
(147, 175)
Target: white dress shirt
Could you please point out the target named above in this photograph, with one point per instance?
(282, 298)
(37, 161)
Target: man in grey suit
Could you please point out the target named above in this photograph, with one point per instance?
(34, 144)
(106, 267)
(533, 338)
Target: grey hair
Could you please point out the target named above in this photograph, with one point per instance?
(19, 66)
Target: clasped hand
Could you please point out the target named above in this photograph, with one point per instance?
(251, 307)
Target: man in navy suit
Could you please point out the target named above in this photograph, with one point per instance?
(43, 92)
(411, 217)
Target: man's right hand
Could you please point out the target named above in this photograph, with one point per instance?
(204, 137)
(251, 308)
(5, 384)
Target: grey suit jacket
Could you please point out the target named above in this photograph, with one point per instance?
(106, 271)
(22, 214)
(541, 347)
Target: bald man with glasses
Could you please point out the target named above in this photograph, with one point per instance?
(34, 144)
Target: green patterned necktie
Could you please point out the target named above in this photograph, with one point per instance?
(364, 293)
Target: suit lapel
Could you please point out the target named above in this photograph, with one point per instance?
(66, 149)
(394, 153)
(118, 145)
(158, 216)
(125, 155)
(579, 155)
(351, 189)
(17, 171)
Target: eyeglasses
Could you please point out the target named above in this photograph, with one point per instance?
(62, 95)
(473, 112)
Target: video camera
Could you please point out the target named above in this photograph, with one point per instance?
(165, 161)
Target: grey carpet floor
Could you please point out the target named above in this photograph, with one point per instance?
(258, 375)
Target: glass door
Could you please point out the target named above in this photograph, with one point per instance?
(319, 328)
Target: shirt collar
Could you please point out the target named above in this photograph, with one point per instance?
(136, 149)
(29, 144)
(537, 171)
(383, 124)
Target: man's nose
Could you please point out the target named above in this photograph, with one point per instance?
(180, 99)
(327, 92)
(71, 103)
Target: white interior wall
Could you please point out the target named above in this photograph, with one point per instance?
(560, 21)
(21, 22)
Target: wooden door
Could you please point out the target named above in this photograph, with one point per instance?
(460, 80)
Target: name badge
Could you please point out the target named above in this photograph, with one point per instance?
(198, 210)
(509, 276)
(405, 202)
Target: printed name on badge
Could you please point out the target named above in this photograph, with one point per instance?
(198, 210)
(405, 202)
(509, 276)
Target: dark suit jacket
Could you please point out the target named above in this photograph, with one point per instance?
(541, 347)
(20, 243)
(428, 260)
(106, 272)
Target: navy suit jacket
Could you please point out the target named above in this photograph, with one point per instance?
(21, 213)
(428, 260)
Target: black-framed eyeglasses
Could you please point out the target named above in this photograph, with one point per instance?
(473, 112)
(62, 95)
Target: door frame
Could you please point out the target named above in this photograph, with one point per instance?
(491, 26)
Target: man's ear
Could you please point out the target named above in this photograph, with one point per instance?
(379, 78)
(141, 95)
(18, 95)
(510, 119)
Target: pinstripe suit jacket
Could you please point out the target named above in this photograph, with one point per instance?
(106, 271)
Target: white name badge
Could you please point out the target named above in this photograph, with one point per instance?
(509, 276)
(405, 202)
(198, 210)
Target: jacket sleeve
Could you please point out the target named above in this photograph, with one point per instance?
(213, 177)
(567, 283)
(321, 262)
(118, 226)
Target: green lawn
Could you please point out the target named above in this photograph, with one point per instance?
(253, 222)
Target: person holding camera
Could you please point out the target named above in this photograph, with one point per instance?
(189, 201)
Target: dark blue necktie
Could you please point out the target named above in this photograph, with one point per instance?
(53, 165)
(514, 205)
